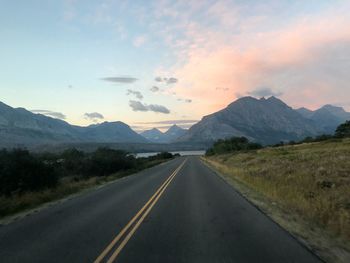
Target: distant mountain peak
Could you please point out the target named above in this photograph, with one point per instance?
(155, 129)
(333, 108)
(303, 108)
(273, 98)
(246, 98)
(19, 126)
(264, 120)
(174, 127)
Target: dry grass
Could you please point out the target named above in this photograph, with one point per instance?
(310, 181)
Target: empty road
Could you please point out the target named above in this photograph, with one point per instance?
(179, 211)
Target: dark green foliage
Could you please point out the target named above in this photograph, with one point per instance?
(343, 130)
(72, 162)
(241, 143)
(163, 155)
(21, 172)
(278, 144)
(106, 161)
(232, 145)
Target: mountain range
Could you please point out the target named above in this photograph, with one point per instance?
(326, 118)
(20, 127)
(262, 120)
(171, 135)
(267, 121)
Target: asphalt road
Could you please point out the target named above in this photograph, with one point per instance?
(179, 211)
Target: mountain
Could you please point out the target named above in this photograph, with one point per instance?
(172, 134)
(305, 112)
(111, 132)
(154, 135)
(328, 118)
(20, 127)
(263, 120)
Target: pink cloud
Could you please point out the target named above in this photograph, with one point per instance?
(308, 60)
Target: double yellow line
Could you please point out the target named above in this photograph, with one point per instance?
(139, 217)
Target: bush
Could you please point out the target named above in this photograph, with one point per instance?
(21, 172)
(163, 155)
(343, 130)
(233, 144)
(73, 162)
(106, 161)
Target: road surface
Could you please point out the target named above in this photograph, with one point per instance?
(179, 211)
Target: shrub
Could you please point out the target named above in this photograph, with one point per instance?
(163, 155)
(232, 145)
(106, 161)
(343, 130)
(21, 172)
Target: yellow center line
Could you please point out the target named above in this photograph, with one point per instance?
(154, 198)
(133, 230)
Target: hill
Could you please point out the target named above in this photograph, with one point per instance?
(305, 188)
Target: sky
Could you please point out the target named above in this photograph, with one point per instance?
(157, 63)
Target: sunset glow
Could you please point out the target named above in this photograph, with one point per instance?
(149, 62)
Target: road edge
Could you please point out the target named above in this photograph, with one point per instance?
(260, 203)
(34, 210)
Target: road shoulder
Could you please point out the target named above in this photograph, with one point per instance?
(82, 191)
(313, 238)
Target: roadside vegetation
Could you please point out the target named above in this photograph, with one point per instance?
(308, 180)
(28, 180)
(232, 145)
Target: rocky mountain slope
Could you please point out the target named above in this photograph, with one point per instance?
(154, 135)
(172, 134)
(20, 127)
(263, 120)
(327, 118)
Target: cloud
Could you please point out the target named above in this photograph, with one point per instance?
(223, 89)
(166, 80)
(158, 108)
(93, 116)
(170, 122)
(139, 41)
(164, 125)
(171, 80)
(57, 115)
(136, 93)
(123, 80)
(154, 89)
(139, 106)
(185, 100)
(299, 48)
(264, 92)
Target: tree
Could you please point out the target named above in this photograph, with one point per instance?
(21, 172)
(233, 144)
(343, 130)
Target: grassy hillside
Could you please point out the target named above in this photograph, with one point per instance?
(310, 181)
